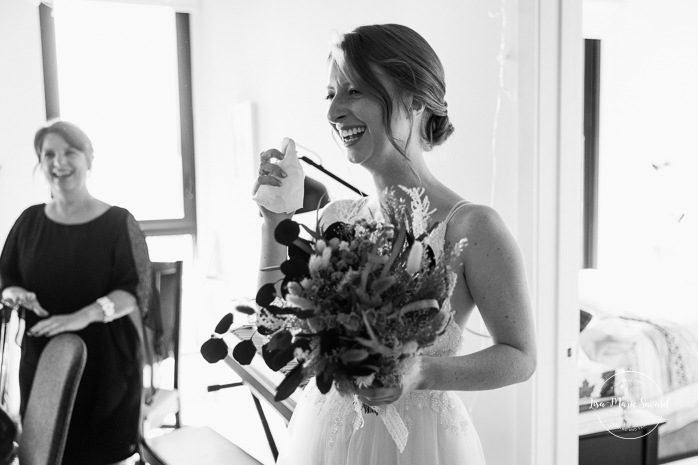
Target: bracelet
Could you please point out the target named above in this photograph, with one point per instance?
(107, 308)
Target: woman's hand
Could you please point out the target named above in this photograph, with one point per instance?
(412, 378)
(63, 323)
(16, 295)
(376, 396)
(270, 174)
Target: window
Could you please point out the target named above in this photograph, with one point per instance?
(121, 71)
(640, 164)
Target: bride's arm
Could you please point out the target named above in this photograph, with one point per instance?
(494, 273)
(273, 253)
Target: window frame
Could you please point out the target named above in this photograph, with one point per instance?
(592, 79)
(160, 227)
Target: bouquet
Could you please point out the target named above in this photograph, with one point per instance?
(358, 301)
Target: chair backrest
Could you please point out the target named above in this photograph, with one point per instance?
(161, 321)
(51, 399)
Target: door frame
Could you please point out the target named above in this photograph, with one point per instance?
(550, 220)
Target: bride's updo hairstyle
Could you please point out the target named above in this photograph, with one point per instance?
(401, 56)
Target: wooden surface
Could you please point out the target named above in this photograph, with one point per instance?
(609, 437)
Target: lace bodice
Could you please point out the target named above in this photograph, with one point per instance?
(349, 211)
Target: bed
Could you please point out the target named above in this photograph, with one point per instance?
(647, 330)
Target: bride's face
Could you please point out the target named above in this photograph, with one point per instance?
(358, 121)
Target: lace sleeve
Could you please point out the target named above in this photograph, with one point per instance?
(141, 258)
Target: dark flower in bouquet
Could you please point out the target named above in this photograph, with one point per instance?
(359, 301)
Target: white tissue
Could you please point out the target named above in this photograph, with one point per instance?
(288, 197)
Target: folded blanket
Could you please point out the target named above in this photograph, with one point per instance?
(664, 351)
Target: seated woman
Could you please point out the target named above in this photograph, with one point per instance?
(81, 265)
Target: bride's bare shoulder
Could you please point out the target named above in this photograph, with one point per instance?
(478, 222)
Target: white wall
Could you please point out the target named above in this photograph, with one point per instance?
(21, 113)
(21, 110)
(273, 54)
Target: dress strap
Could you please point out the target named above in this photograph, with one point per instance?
(457, 206)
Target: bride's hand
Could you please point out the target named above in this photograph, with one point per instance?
(413, 378)
(270, 174)
(375, 396)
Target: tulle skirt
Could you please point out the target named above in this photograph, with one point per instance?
(332, 429)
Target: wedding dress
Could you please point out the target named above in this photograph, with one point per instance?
(331, 429)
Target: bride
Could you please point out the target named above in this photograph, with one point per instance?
(386, 105)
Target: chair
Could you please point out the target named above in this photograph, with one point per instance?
(160, 329)
(51, 400)
(160, 333)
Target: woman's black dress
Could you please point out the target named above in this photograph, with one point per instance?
(69, 267)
